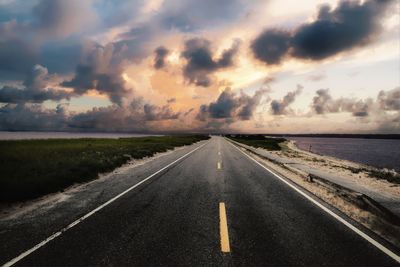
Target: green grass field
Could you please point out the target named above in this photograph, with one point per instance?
(259, 141)
(32, 168)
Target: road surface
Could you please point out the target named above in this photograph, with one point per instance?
(212, 207)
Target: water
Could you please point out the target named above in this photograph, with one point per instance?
(68, 135)
(381, 153)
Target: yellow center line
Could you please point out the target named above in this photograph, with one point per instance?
(218, 165)
(223, 227)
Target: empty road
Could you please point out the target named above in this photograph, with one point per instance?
(212, 207)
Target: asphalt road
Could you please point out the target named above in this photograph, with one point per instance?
(174, 219)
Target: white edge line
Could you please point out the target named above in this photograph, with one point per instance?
(84, 217)
(333, 214)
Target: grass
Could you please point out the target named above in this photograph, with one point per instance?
(32, 168)
(268, 143)
(389, 176)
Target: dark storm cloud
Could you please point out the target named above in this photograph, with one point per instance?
(99, 72)
(135, 44)
(200, 63)
(155, 113)
(160, 54)
(35, 89)
(33, 39)
(22, 117)
(61, 56)
(279, 107)
(231, 106)
(271, 46)
(133, 117)
(351, 24)
(17, 57)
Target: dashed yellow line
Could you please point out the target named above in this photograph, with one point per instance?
(218, 165)
(223, 226)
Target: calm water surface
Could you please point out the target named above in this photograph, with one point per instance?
(52, 135)
(382, 153)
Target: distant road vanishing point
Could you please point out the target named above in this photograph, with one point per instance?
(209, 204)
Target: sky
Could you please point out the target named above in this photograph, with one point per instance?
(212, 66)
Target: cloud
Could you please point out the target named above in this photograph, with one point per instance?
(351, 24)
(26, 117)
(100, 72)
(133, 117)
(193, 15)
(26, 41)
(136, 44)
(271, 46)
(16, 58)
(137, 116)
(200, 63)
(231, 106)
(160, 54)
(280, 107)
(323, 103)
(155, 113)
(35, 89)
(60, 18)
(389, 100)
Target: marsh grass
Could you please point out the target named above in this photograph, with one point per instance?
(32, 168)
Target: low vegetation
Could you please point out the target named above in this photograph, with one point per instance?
(32, 168)
(269, 143)
(390, 176)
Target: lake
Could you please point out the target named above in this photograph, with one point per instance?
(382, 153)
(68, 135)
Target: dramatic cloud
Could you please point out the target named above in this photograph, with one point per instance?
(134, 117)
(60, 18)
(155, 113)
(231, 106)
(389, 100)
(280, 107)
(200, 62)
(35, 89)
(25, 117)
(79, 53)
(99, 72)
(324, 103)
(271, 46)
(29, 40)
(160, 54)
(17, 57)
(351, 24)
